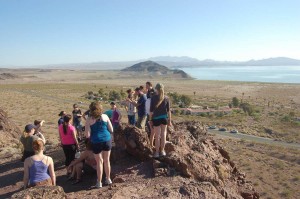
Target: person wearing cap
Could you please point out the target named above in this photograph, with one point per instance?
(116, 115)
(27, 139)
(160, 117)
(61, 119)
(39, 124)
(39, 168)
(140, 104)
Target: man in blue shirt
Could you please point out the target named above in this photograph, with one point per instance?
(140, 104)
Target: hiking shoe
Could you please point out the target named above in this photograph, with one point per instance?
(108, 181)
(163, 153)
(98, 185)
(156, 155)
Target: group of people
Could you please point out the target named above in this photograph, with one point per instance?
(153, 111)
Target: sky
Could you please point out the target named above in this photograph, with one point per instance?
(35, 32)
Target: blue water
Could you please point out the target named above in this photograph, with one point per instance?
(275, 74)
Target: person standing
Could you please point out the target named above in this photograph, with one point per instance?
(27, 139)
(131, 109)
(140, 104)
(149, 89)
(116, 116)
(98, 129)
(67, 133)
(77, 120)
(39, 168)
(61, 119)
(160, 117)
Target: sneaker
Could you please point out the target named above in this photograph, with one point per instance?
(108, 181)
(98, 185)
(156, 155)
(163, 153)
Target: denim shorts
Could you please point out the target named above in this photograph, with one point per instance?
(101, 146)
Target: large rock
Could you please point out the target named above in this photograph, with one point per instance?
(194, 154)
(10, 146)
(42, 192)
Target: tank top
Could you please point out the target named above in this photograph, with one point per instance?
(99, 132)
(38, 171)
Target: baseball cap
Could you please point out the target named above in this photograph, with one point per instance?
(29, 127)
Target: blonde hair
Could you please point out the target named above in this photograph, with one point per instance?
(161, 93)
(38, 145)
(96, 109)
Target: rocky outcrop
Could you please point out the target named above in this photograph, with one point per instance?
(53, 192)
(9, 137)
(7, 126)
(193, 154)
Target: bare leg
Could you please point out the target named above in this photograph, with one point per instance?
(99, 161)
(78, 168)
(163, 137)
(106, 162)
(157, 132)
(151, 136)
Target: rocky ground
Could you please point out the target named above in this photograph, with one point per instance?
(195, 167)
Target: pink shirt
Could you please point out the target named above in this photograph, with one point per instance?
(68, 138)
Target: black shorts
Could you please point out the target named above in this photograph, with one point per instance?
(158, 122)
(101, 146)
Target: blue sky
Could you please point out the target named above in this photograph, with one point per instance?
(34, 32)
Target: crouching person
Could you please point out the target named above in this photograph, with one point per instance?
(85, 162)
(37, 166)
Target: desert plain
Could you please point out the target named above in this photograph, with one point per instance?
(30, 94)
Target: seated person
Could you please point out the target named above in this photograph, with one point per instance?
(85, 162)
(36, 167)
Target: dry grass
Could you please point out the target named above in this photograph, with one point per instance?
(274, 171)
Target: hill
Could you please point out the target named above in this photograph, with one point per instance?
(153, 68)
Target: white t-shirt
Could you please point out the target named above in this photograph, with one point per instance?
(147, 104)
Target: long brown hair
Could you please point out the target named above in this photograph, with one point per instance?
(67, 119)
(96, 110)
(161, 93)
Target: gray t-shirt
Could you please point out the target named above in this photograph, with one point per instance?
(27, 142)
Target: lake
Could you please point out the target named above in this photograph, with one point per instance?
(274, 74)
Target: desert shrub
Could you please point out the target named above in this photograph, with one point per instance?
(247, 108)
(101, 92)
(219, 114)
(235, 102)
(114, 95)
(186, 101)
(286, 118)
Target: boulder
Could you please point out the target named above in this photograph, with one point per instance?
(41, 192)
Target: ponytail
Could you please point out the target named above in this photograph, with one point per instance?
(67, 119)
(161, 93)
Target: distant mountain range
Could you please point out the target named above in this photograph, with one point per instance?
(171, 62)
(181, 62)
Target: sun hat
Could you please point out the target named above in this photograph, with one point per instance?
(29, 127)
